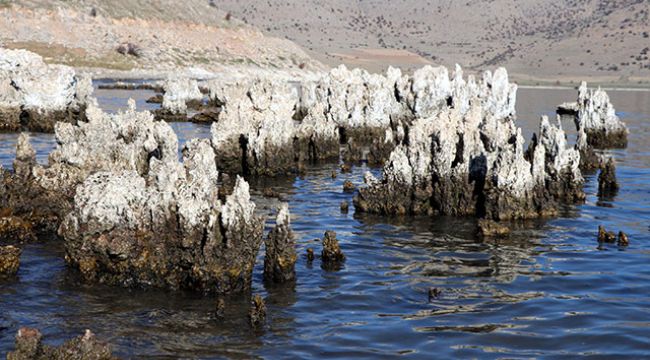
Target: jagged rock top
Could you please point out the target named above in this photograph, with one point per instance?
(238, 206)
(122, 141)
(596, 112)
(26, 81)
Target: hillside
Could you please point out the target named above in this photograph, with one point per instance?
(536, 39)
(159, 35)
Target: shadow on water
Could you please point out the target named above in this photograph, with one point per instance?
(410, 287)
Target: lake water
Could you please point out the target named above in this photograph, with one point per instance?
(548, 291)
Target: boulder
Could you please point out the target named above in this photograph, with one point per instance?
(35, 96)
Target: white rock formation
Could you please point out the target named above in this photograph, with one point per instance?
(466, 155)
(25, 80)
(178, 92)
(597, 117)
(164, 227)
(106, 142)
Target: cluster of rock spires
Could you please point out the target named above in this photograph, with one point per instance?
(463, 155)
(132, 214)
(597, 125)
(35, 95)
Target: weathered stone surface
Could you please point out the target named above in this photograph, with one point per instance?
(105, 142)
(15, 230)
(280, 258)
(465, 157)
(255, 131)
(332, 257)
(178, 92)
(257, 312)
(9, 260)
(29, 346)
(35, 95)
(166, 228)
(597, 117)
(607, 184)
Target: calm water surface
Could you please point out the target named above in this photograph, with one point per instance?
(549, 291)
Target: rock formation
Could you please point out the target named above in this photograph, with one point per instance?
(607, 184)
(597, 117)
(255, 131)
(105, 142)
(178, 94)
(465, 156)
(35, 95)
(29, 346)
(280, 258)
(332, 256)
(257, 312)
(165, 228)
(9, 260)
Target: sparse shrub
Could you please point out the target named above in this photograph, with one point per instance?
(129, 49)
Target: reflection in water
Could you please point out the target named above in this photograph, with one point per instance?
(547, 290)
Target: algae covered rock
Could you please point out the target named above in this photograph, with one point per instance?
(9, 260)
(167, 229)
(280, 258)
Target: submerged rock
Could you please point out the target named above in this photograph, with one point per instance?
(607, 184)
(280, 258)
(15, 230)
(35, 96)
(605, 236)
(332, 256)
(490, 228)
(597, 117)
(466, 157)
(345, 206)
(257, 312)
(9, 260)
(348, 186)
(29, 346)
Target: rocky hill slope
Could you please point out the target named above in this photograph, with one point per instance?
(536, 39)
(136, 34)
